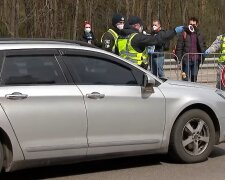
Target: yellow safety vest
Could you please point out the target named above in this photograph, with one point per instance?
(222, 57)
(115, 36)
(126, 51)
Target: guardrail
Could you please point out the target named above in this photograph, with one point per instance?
(207, 73)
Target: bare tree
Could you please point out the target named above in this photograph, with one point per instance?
(63, 19)
(76, 19)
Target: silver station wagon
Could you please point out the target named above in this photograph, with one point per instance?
(64, 102)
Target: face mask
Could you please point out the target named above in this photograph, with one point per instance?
(87, 30)
(140, 29)
(195, 28)
(154, 28)
(120, 26)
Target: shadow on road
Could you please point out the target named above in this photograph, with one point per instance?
(96, 166)
(86, 167)
(217, 152)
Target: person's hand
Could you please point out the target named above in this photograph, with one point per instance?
(179, 29)
(143, 65)
(151, 49)
(206, 53)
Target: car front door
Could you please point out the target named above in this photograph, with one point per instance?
(120, 117)
(47, 115)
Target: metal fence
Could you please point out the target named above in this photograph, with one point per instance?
(208, 67)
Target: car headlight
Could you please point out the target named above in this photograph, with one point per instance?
(221, 93)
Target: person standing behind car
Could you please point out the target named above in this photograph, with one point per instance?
(109, 38)
(157, 58)
(191, 42)
(88, 35)
(219, 46)
(132, 42)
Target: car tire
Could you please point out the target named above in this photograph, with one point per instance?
(192, 137)
(1, 157)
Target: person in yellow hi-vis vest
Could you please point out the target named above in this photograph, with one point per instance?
(132, 43)
(219, 46)
(109, 38)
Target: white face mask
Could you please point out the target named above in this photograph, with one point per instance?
(140, 29)
(87, 30)
(154, 28)
(120, 26)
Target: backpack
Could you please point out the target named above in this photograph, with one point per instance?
(184, 36)
(166, 46)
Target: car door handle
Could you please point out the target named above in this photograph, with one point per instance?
(16, 95)
(95, 95)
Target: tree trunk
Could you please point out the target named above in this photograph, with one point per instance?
(183, 7)
(133, 8)
(127, 8)
(75, 19)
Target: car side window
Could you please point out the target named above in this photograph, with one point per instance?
(93, 70)
(25, 70)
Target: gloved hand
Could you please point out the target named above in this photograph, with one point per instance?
(179, 29)
(143, 65)
(151, 49)
(206, 53)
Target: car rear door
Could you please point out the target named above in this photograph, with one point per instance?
(47, 114)
(120, 116)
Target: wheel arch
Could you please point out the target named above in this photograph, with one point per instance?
(209, 111)
(7, 148)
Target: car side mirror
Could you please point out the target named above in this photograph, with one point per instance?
(148, 84)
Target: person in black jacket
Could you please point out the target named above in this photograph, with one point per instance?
(156, 52)
(190, 42)
(88, 35)
(139, 41)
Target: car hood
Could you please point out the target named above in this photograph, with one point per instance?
(189, 84)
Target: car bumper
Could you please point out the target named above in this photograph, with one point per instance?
(222, 129)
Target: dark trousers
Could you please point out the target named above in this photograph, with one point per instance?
(191, 70)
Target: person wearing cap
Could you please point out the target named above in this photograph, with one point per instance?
(88, 35)
(109, 38)
(132, 42)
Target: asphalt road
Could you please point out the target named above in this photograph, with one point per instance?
(151, 167)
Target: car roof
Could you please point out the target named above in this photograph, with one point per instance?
(41, 41)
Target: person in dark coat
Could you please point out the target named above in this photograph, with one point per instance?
(191, 42)
(88, 35)
(157, 56)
